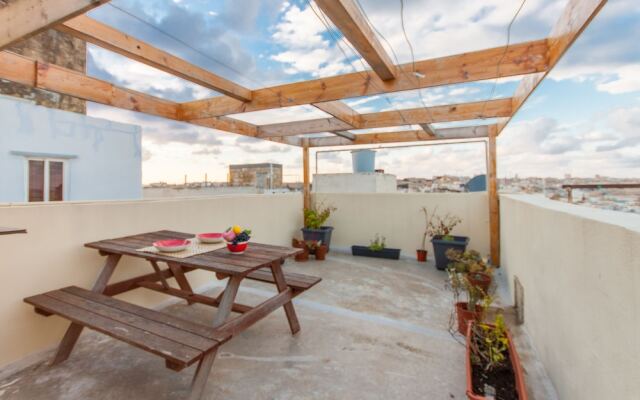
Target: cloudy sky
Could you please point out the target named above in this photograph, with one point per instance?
(583, 120)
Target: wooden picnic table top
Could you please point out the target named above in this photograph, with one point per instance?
(256, 256)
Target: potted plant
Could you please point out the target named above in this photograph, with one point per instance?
(377, 249)
(477, 299)
(473, 265)
(492, 364)
(421, 253)
(299, 244)
(314, 228)
(440, 229)
(321, 252)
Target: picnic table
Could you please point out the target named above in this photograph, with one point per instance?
(179, 341)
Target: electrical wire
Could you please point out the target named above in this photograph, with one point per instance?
(187, 45)
(504, 53)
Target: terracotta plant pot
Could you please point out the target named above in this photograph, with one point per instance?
(302, 257)
(515, 365)
(421, 255)
(480, 280)
(321, 252)
(298, 244)
(465, 316)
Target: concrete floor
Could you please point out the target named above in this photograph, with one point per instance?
(372, 329)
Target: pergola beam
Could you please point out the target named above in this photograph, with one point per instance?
(427, 129)
(519, 59)
(346, 15)
(423, 115)
(109, 38)
(57, 79)
(576, 17)
(345, 134)
(24, 18)
(341, 111)
(469, 132)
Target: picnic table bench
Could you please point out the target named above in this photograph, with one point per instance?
(180, 342)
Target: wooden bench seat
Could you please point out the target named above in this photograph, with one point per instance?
(180, 342)
(297, 282)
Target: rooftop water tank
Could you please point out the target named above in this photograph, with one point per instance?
(363, 160)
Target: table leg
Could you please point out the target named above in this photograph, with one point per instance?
(181, 279)
(281, 284)
(206, 363)
(73, 332)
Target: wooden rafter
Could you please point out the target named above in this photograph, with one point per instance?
(346, 15)
(341, 111)
(576, 17)
(423, 115)
(24, 18)
(62, 80)
(519, 59)
(345, 134)
(470, 132)
(427, 129)
(112, 39)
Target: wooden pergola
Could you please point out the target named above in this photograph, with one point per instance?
(534, 59)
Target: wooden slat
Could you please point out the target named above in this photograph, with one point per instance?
(494, 206)
(21, 19)
(346, 15)
(341, 111)
(345, 134)
(166, 348)
(146, 313)
(229, 124)
(297, 282)
(422, 115)
(51, 77)
(575, 18)
(112, 39)
(521, 58)
(11, 231)
(469, 132)
(428, 129)
(156, 328)
(301, 127)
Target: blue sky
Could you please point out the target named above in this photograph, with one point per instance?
(583, 120)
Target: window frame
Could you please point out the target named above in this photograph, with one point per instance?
(47, 173)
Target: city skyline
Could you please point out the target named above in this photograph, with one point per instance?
(584, 119)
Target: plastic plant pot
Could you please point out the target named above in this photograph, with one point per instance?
(421, 255)
(440, 247)
(465, 316)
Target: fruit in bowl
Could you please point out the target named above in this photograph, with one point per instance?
(237, 239)
(210, 237)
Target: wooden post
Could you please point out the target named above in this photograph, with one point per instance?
(569, 195)
(494, 205)
(305, 174)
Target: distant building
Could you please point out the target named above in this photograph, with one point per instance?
(262, 176)
(477, 184)
(50, 150)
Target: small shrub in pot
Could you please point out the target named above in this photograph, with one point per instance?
(314, 228)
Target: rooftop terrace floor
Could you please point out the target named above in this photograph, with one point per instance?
(372, 329)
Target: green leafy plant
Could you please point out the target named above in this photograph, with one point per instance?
(469, 261)
(490, 345)
(315, 217)
(312, 245)
(439, 225)
(378, 244)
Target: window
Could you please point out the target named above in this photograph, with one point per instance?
(45, 180)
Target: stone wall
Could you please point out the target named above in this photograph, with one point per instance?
(56, 48)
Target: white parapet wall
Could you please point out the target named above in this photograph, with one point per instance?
(51, 255)
(580, 269)
(397, 216)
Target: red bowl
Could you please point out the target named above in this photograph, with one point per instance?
(237, 248)
(210, 237)
(171, 245)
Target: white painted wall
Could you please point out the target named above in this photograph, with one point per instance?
(580, 268)
(397, 216)
(363, 182)
(51, 255)
(103, 158)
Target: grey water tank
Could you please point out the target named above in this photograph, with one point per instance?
(363, 160)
